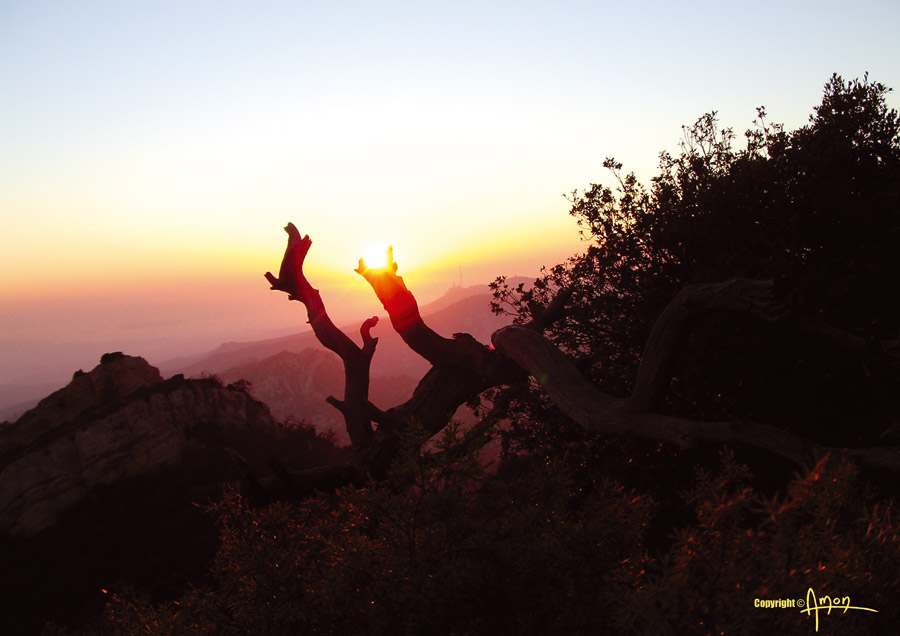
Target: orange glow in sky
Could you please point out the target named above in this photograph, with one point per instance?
(151, 154)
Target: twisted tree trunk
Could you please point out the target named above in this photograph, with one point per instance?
(462, 368)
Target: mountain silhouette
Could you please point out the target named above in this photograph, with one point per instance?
(293, 375)
(461, 309)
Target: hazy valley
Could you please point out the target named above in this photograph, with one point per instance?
(314, 372)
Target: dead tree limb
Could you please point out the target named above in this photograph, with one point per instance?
(462, 368)
(357, 360)
(597, 411)
(461, 351)
(754, 298)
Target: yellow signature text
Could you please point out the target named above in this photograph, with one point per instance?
(827, 603)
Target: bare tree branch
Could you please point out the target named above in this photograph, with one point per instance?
(462, 367)
(403, 310)
(755, 298)
(752, 297)
(357, 360)
(595, 410)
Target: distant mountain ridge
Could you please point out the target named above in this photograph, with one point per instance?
(16, 399)
(294, 387)
(461, 309)
(294, 374)
(395, 368)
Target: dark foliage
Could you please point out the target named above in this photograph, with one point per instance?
(148, 533)
(443, 548)
(816, 209)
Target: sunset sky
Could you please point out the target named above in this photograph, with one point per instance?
(151, 152)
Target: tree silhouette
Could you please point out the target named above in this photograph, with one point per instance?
(724, 238)
(816, 211)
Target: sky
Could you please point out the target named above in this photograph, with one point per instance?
(152, 152)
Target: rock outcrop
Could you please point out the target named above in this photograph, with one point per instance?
(119, 420)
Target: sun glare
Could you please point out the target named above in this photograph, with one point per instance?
(376, 256)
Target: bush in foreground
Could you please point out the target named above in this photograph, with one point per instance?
(445, 548)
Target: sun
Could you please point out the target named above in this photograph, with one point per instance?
(376, 256)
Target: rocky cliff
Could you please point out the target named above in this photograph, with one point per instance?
(119, 420)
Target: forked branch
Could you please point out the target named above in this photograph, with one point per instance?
(357, 360)
(462, 367)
